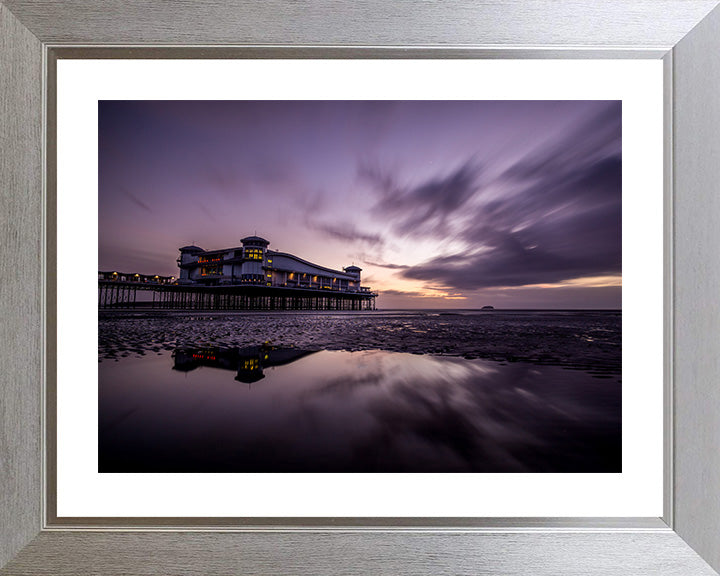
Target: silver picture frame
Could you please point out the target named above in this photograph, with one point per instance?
(684, 34)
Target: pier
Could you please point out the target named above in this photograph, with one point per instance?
(135, 291)
(247, 277)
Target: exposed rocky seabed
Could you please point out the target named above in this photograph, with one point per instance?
(582, 340)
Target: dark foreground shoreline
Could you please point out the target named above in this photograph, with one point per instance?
(581, 339)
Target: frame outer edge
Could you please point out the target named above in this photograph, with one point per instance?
(580, 23)
(219, 554)
(20, 284)
(697, 295)
(522, 537)
(20, 169)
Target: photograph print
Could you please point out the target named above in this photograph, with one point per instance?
(360, 286)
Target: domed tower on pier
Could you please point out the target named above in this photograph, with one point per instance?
(354, 272)
(253, 260)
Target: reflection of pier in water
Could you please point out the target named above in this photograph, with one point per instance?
(248, 362)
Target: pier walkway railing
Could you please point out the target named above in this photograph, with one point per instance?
(119, 294)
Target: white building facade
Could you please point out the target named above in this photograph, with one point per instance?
(254, 264)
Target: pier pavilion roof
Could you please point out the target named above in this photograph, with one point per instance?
(255, 240)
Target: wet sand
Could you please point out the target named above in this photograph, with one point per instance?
(588, 341)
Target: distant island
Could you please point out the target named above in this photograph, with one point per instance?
(488, 308)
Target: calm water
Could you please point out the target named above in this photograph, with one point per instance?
(225, 406)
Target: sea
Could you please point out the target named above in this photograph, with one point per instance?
(382, 391)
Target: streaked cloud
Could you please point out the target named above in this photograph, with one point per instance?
(453, 203)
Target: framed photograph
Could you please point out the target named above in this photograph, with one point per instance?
(439, 391)
(373, 294)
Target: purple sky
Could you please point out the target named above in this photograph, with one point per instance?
(452, 204)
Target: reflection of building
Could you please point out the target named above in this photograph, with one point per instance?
(249, 362)
(254, 264)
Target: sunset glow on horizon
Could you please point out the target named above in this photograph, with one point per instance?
(448, 204)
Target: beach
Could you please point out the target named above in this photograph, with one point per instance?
(387, 391)
(582, 340)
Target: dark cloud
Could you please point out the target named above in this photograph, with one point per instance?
(205, 211)
(346, 232)
(560, 219)
(506, 264)
(309, 203)
(135, 200)
(595, 138)
(426, 207)
(390, 292)
(388, 266)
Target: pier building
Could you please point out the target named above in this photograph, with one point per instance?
(246, 277)
(254, 263)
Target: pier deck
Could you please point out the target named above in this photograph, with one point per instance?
(114, 294)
